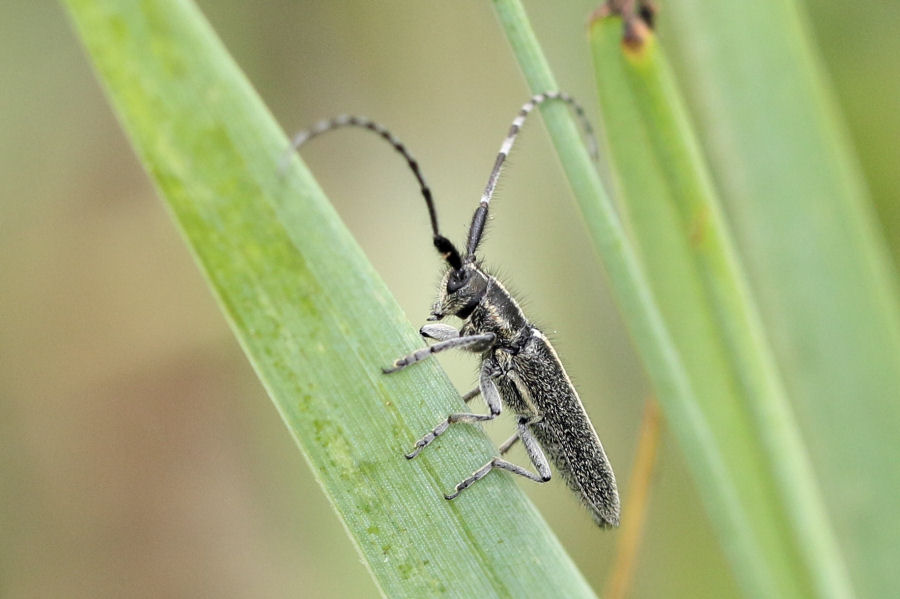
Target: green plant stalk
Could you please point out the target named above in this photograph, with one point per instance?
(314, 318)
(667, 248)
(716, 479)
(652, 137)
(814, 256)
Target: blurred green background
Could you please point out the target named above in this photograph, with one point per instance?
(139, 453)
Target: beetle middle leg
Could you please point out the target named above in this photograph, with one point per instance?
(537, 457)
(488, 390)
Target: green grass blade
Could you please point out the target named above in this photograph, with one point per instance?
(718, 480)
(815, 258)
(314, 318)
(676, 218)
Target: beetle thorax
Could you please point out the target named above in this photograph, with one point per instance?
(481, 301)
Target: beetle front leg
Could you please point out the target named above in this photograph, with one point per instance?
(476, 343)
(439, 332)
(443, 332)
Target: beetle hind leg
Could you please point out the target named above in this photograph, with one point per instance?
(537, 457)
(487, 388)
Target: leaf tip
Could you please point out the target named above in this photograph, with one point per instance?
(638, 20)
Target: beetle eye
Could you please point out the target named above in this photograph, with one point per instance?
(457, 279)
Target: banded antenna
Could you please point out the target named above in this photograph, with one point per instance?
(444, 246)
(480, 217)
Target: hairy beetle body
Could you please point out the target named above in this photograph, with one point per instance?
(533, 383)
(519, 367)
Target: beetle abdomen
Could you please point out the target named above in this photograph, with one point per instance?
(563, 428)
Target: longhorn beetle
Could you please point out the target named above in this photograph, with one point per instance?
(519, 367)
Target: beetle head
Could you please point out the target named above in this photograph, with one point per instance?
(460, 291)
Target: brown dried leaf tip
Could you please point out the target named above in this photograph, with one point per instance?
(638, 19)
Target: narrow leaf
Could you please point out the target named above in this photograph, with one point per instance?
(314, 318)
(675, 216)
(815, 257)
